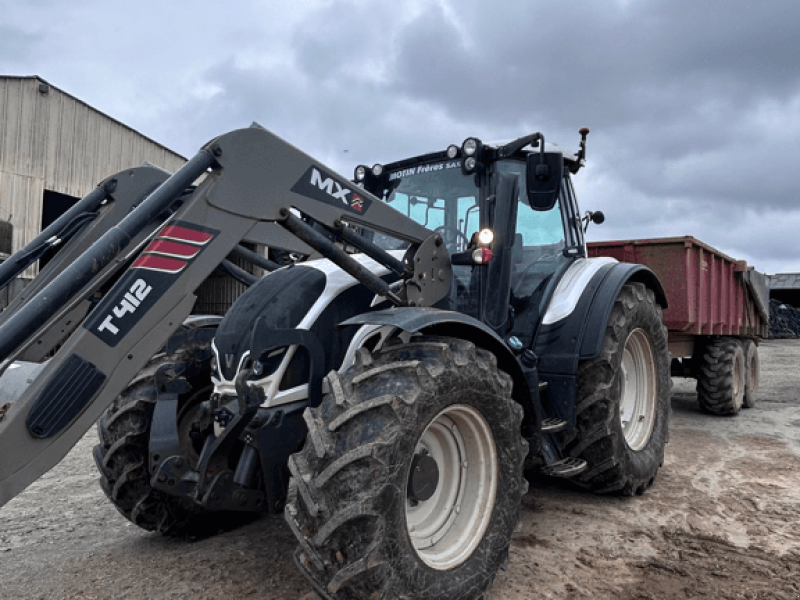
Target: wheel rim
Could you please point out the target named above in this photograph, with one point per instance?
(638, 394)
(738, 379)
(446, 528)
(752, 374)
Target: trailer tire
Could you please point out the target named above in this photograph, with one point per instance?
(630, 378)
(122, 456)
(721, 377)
(365, 499)
(752, 373)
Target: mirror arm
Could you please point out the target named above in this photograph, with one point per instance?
(513, 147)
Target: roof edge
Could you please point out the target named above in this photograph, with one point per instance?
(87, 105)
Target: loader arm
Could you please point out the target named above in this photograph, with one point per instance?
(255, 183)
(105, 206)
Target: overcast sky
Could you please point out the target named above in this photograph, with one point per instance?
(694, 105)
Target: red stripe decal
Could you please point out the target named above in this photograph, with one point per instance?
(172, 249)
(159, 263)
(183, 234)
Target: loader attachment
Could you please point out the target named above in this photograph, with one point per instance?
(72, 234)
(255, 186)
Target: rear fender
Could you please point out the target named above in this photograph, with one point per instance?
(600, 310)
(561, 345)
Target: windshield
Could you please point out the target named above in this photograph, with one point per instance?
(439, 197)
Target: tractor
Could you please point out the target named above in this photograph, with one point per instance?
(437, 332)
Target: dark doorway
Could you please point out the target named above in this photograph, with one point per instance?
(53, 206)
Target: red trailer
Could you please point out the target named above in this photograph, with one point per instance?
(718, 311)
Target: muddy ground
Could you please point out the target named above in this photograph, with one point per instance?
(721, 522)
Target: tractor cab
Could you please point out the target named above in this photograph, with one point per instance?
(507, 215)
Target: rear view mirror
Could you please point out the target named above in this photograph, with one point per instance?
(543, 173)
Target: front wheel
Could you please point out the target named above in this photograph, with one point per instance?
(623, 398)
(124, 430)
(410, 481)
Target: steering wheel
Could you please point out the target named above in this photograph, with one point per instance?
(452, 233)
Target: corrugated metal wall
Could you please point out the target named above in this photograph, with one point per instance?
(56, 142)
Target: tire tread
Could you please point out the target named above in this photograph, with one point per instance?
(613, 466)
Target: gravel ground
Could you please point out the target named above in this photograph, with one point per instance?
(721, 522)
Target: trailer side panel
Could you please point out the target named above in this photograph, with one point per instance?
(709, 292)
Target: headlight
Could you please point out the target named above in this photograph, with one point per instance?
(361, 172)
(470, 163)
(452, 151)
(470, 146)
(377, 170)
(486, 236)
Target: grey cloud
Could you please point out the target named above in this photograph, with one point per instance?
(17, 45)
(587, 58)
(694, 106)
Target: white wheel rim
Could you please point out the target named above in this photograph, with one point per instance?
(637, 409)
(446, 528)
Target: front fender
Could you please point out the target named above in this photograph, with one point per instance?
(434, 321)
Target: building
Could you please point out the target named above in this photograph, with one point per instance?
(785, 288)
(54, 149)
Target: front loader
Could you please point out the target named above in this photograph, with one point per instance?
(446, 332)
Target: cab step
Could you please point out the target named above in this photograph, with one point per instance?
(553, 425)
(566, 467)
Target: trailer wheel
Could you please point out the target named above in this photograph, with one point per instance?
(623, 399)
(124, 431)
(410, 481)
(752, 373)
(722, 377)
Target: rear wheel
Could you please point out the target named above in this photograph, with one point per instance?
(622, 403)
(721, 377)
(122, 456)
(410, 481)
(752, 373)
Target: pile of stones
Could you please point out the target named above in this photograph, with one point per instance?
(784, 321)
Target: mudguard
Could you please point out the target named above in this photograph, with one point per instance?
(578, 336)
(434, 321)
